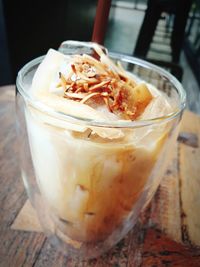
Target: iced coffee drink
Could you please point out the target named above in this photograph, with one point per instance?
(96, 136)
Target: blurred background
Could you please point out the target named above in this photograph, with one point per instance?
(166, 32)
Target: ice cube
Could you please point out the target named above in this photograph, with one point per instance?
(45, 74)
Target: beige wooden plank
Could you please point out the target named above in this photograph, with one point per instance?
(189, 165)
(190, 181)
(190, 193)
(166, 205)
(190, 123)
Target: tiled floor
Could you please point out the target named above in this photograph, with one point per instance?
(121, 37)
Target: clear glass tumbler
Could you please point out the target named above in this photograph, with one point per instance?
(88, 192)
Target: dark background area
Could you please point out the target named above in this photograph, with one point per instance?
(29, 28)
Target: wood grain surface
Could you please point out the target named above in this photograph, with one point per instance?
(167, 234)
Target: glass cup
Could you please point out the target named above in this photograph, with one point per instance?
(88, 191)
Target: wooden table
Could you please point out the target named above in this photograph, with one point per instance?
(174, 213)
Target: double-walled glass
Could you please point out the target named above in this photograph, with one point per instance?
(88, 190)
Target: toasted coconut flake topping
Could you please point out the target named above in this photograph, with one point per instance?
(90, 79)
(85, 99)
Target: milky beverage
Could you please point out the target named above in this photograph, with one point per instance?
(91, 177)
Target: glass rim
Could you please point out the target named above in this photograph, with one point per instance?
(105, 123)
